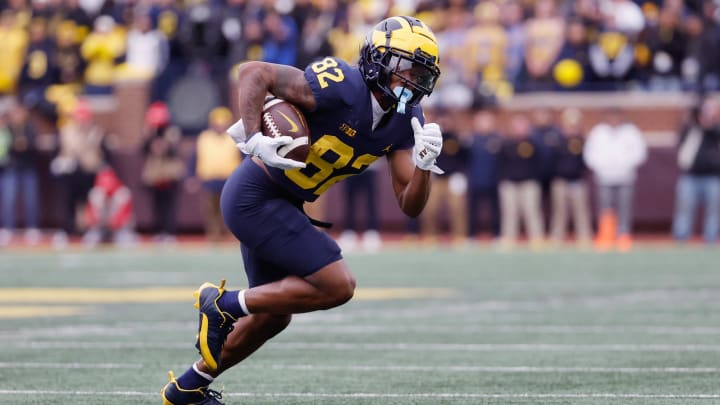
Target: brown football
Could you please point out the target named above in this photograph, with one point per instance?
(281, 118)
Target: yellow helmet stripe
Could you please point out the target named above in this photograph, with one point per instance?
(408, 34)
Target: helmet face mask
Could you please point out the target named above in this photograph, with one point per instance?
(401, 50)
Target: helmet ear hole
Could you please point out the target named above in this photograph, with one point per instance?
(371, 74)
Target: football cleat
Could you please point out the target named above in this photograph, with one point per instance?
(214, 325)
(172, 394)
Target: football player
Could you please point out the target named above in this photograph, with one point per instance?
(356, 115)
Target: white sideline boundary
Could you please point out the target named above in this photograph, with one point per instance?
(391, 368)
(361, 395)
(408, 347)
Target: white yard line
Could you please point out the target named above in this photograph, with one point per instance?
(393, 368)
(70, 366)
(426, 347)
(433, 395)
(302, 327)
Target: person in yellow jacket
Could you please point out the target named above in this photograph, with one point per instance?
(215, 159)
(13, 42)
(101, 50)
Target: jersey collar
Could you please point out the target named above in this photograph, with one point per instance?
(377, 111)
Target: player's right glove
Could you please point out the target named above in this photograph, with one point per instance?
(428, 144)
(266, 148)
(262, 146)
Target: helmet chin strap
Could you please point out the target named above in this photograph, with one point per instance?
(404, 95)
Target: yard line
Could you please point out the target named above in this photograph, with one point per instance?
(431, 395)
(497, 369)
(71, 365)
(505, 328)
(432, 347)
(302, 327)
(489, 347)
(395, 368)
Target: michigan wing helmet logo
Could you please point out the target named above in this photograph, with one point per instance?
(399, 44)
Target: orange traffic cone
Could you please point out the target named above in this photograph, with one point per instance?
(607, 230)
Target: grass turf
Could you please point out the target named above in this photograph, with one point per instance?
(427, 326)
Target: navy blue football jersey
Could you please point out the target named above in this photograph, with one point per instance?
(343, 143)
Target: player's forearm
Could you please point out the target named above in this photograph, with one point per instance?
(256, 79)
(414, 196)
(253, 84)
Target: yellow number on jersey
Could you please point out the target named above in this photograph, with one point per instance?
(325, 73)
(318, 149)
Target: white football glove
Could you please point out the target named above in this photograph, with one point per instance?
(266, 148)
(428, 144)
(237, 132)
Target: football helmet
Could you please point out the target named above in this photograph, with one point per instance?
(399, 44)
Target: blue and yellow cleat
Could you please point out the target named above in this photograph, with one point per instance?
(172, 394)
(215, 324)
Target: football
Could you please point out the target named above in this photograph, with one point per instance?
(281, 118)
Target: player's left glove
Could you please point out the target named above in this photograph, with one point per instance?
(428, 144)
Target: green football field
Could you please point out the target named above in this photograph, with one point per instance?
(427, 326)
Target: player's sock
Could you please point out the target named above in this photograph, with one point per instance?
(194, 378)
(233, 302)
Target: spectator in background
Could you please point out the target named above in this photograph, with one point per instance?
(544, 38)
(569, 192)
(614, 150)
(546, 137)
(487, 44)
(5, 140)
(13, 42)
(109, 211)
(365, 183)
(38, 71)
(20, 177)
(483, 154)
(81, 154)
(624, 15)
(457, 66)
(701, 68)
(518, 170)
(168, 18)
(163, 170)
(280, 44)
(573, 63)
(699, 162)
(512, 20)
(449, 188)
(243, 32)
(612, 56)
(101, 50)
(146, 48)
(588, 11)
(214, 160)
(70, 64)
(73, 12)
(345, 42)
(201, 34)
(315, 41)
(666, 41)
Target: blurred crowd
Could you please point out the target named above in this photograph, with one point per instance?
(530, 171)
(519, 178)
(496, 47)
